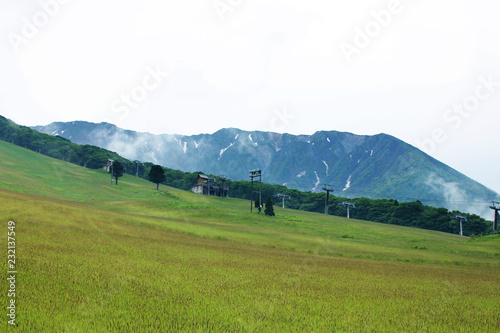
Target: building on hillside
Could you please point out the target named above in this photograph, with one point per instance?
(108, 165)
(206, 186)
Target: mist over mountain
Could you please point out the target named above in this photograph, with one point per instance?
(378, 166)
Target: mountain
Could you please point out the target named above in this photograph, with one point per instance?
(378, 166)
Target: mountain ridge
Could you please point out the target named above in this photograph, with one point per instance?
(372, 166)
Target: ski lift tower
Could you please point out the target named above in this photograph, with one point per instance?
(461, 219)
(348, 205)
(222, 179)
(328, 188)
(496, 207)
(111, 167)
(254, 174)
(210, 186)
(137, 168)
(283, 198)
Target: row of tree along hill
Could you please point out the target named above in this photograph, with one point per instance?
(413, 214)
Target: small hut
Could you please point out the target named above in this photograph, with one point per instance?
(206, 186)
(108, 165)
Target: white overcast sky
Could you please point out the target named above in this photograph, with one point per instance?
(263, 65)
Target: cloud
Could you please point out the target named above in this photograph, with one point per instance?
(456, 198)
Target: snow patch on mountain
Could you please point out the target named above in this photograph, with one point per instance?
(348, 183)
(302, 174)
(251, 140)
(223, 150)
(326, 165)
(318, 181)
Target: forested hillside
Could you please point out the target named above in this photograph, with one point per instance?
(54, 146)
(371, 166)
(413, 214)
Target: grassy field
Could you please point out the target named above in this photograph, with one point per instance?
(92, 257)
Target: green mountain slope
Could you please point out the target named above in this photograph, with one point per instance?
(385, 211)
(378, 167)
(23, 171)
(96, 257)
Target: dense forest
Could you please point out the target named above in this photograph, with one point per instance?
(412, 214)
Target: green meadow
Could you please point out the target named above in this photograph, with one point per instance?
(92, 257)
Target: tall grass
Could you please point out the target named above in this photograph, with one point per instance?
(99, 258)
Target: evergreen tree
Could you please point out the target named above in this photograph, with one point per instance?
(269, 211)
(157, 175)
(117, 170)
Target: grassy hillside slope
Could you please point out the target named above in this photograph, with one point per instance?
(96, 257)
